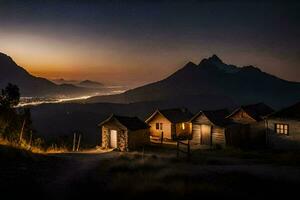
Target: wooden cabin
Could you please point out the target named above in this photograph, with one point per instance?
(209, 127)
(248, 125)
(170, 124)
(283, 128)
(124, 133)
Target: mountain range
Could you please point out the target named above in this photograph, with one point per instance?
(31, 85)
(84, 83)
(213, 80)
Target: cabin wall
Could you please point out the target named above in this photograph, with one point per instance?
(252, 132)
(167, 127)
(201, 131)
(246, 135)
(237, 135)
(138, 138)
(202, 119)
(257, 134)
(105, 137)
(242, 117)
(122, 135)
(278, 141)
(218, 136)
(123, 140)
(183, 129)
(196, 136)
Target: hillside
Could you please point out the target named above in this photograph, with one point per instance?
(212, 77)
(31, 85)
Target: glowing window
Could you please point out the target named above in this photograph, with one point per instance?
(157, 126)
(282, 129)
(183, 126)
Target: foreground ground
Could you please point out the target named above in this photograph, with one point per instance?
(157, 172)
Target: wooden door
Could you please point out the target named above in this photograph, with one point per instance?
(206, 134)
(113, 139)
(196, 134)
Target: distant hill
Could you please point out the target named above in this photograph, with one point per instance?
(212, 79)
(85, 83)
(31, 85)
(90, 84)
(64, 81)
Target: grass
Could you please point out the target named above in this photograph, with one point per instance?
(155, 174)
(24, 145)
(136, 177)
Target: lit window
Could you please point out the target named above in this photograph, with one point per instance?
(282, 129)
(157, 126)
(161, 126)
(183, 126)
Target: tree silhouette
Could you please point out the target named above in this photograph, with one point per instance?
(10, 96)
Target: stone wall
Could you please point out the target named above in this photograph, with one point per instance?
(123, 140)
(105, 137)
(122, 137)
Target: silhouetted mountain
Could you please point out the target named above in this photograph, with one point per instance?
(31, 85)
(90, 84)
(64, 81)
(212, 77)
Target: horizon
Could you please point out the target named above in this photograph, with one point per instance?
(147, 41)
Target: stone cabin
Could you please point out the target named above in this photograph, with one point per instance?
(170, 124)
(283, 128)
(124, 133)
(209, 127)
(248, 125)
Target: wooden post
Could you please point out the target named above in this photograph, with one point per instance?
(162, 138)
(189, 150)
(267, 133)
(143, 154)
(78, 145)
(21, 134)
(74, 141)
(177, 149)
(30, 140)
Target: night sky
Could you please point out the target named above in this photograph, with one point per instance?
(135, 42)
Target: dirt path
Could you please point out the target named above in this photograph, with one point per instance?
(77, 165)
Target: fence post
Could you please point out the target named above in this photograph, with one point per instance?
(78, 145)
(74, 142)
(177, 149)
(143, 154)
(189, 150)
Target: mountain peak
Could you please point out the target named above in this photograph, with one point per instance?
(190, 64)
(214, 58)
(89, 83)
(216, 63)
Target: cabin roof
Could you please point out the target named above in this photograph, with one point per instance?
(291, 112)
(131, 123)
(174, 115)
(217, 117)
(256, 111)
